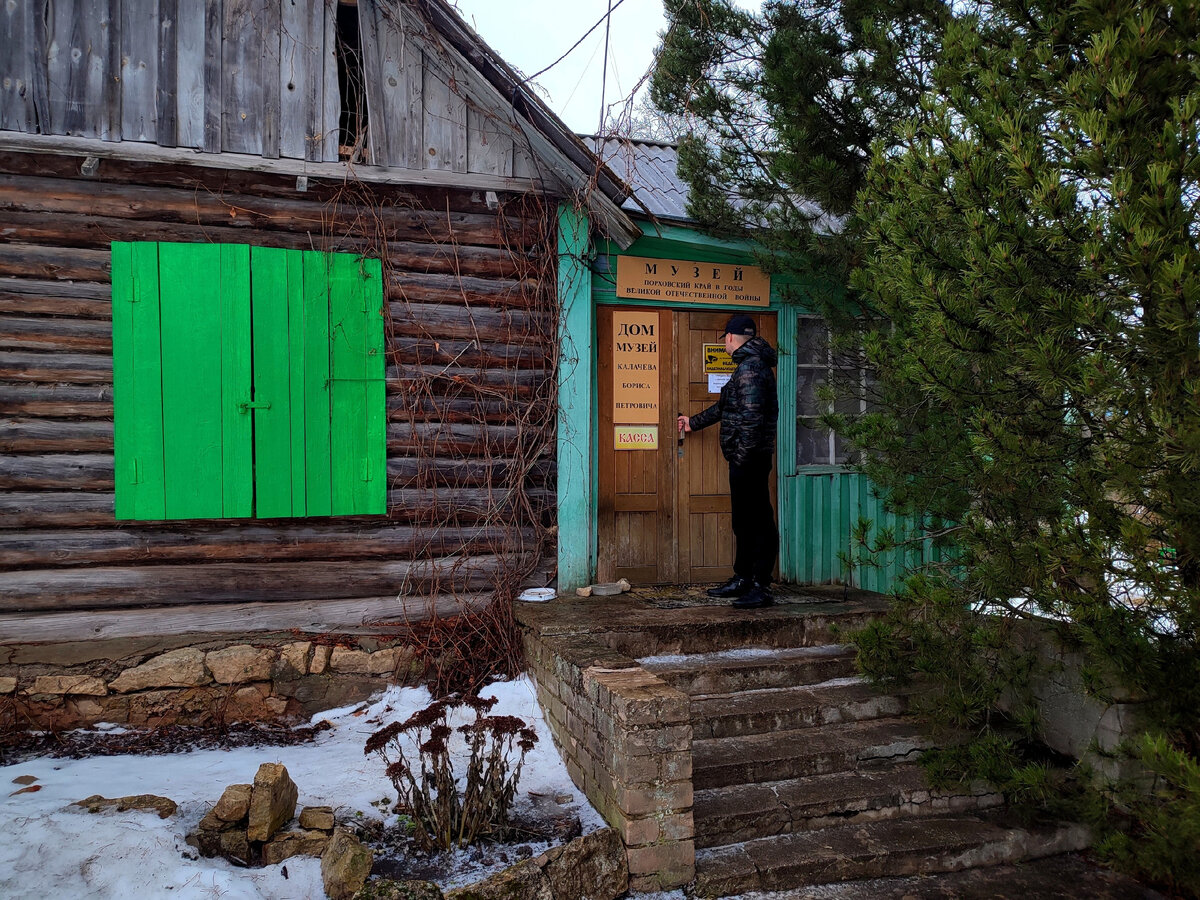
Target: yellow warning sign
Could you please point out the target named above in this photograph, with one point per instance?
(717, 361)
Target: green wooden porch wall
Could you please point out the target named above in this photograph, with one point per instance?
(576, 444)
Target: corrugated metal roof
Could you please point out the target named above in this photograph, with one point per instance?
(650, 169)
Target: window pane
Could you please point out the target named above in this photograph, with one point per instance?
(812, 343)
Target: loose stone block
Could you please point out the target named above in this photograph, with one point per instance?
(287, 844)
(176, 668)
(319, 818)
(234, 845)
(164, 806)
(234, 804)
(239, 664)
(87, 685)
(272, 801)
(345, 865)
(7, 686)
(386, 889)
(590, 866)
(524, 881)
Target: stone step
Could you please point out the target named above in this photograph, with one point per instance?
(737, 813)
(875, 850)
(783, 755)
(730, 671)
(826, 614)
(784, 709)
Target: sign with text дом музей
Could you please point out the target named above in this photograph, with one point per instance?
(635, 379)
(681, 280)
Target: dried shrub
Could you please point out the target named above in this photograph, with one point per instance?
(421, 768)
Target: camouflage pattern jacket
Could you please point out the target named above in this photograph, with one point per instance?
(748, 408)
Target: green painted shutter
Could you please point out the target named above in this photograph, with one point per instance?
(180, 367)
(247, 382)
(357, 403)
(276, 466)
(137, 383)
(204, 305)
(318, 488)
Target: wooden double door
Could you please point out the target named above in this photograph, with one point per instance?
(664, 514)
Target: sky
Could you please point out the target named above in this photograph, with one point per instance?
(531, 34)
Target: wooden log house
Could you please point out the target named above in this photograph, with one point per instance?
(280, 291)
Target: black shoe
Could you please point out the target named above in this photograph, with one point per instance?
(754, 598)
(734, 587)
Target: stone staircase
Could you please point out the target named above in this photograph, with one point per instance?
(804, 774)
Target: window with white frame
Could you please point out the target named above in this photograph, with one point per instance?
(819, 367)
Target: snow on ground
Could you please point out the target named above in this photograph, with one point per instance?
(49, 848)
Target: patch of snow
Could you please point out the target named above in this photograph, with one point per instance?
(743, 653)
(50, 848)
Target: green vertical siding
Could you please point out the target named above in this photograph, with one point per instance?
(818, 513)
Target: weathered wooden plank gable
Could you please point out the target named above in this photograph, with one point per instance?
(82, 69)
(445, 118)
(165, 100)
(102, 96)
(214, 84)
(489, 142)
(254, 77)
(139, 70)
(16, 78)
(305, 78)
(243, 46)
(189, 74)
(67, 68)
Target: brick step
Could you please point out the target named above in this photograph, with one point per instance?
(875, 850)
(783, 755)
(745, 812)
(784, 709)
(730, 671)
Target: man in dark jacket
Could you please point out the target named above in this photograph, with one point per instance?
(748, 410)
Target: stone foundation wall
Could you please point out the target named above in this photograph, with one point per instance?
(626, 737)
(194, 680)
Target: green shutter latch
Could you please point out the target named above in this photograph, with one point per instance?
(248, 405)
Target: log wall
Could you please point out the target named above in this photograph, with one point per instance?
(469, 381)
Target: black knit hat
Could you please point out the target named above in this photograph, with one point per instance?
(740, 324)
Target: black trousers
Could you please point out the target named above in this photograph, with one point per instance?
(754, 528)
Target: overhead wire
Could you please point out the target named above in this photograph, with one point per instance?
(612, 8)
(604, 70)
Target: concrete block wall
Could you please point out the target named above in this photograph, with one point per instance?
(626, 736)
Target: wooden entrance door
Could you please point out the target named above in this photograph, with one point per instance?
(665, 517)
